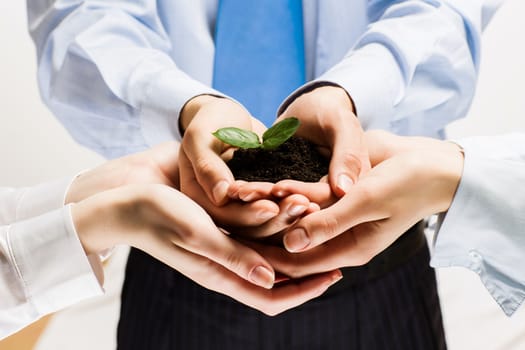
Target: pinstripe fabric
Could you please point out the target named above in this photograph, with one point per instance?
(162, 309)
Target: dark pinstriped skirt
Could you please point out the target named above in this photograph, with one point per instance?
(162, 309)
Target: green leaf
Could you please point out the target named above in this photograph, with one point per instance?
(238, 137)
(280, 132)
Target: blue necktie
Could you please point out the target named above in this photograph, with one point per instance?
(259, 53)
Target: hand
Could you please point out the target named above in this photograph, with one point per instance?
(158, 165)
(328, 120)
(206, 178)
(412, 178)
(202, 116)
(169, 226)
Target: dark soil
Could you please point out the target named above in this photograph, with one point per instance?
(296, 159)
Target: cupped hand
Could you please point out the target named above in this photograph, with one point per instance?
(205, 177)
(169, 226)
(327, 119)
(202, 116)
(412, 178)
(254, 218)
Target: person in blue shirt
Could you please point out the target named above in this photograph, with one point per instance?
(124, 75)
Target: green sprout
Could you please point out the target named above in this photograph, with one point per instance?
(271, 139)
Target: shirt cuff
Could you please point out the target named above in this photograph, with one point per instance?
(482, 230)
(164, 99)
(51, 263)
(43, 198)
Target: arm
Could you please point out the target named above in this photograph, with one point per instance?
(131, 90)
(50, 261)
(414, 69)
(481, 225)
(45, 261)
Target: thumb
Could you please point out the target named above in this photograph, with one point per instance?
(359, 205)
(349, 160)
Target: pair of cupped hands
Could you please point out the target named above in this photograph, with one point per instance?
(269, 246)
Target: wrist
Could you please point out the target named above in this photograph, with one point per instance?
(89, 219)
(450, 161)
(192, 107)
(335, 94)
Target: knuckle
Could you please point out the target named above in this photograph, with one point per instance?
(234, 261)
(330, 228)
(204, 166)
(351, 161)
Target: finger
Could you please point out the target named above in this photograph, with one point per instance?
(196, 233)
(215, 277)
(317, 192)
(355, 247)
(312, 208)
(212, 174)
(358, 206)
(290, 294)
(250, 191)
(233, 190)
(290, 209)
(349, 157)
(231, 214)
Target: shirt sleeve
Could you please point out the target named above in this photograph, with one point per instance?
(415, 68)
(484, 228)
(43, 268)
(132, 91)
(22, 203)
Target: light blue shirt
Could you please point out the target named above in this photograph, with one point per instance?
(484, 229)
(117, 73)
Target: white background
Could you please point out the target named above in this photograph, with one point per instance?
(35, 148)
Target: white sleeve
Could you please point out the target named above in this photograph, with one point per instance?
(43, 268)
(484, 229)
(22, 203)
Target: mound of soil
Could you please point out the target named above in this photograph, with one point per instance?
(296, 159)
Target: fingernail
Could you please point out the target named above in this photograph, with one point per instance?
(247, 197)
(280, 193)
(261, 276)
(220, 190)
(265, 215)
(296, 210)
(344, 183)
(296, 240)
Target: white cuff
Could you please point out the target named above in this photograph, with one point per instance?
(42, 198)
(51, 262)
